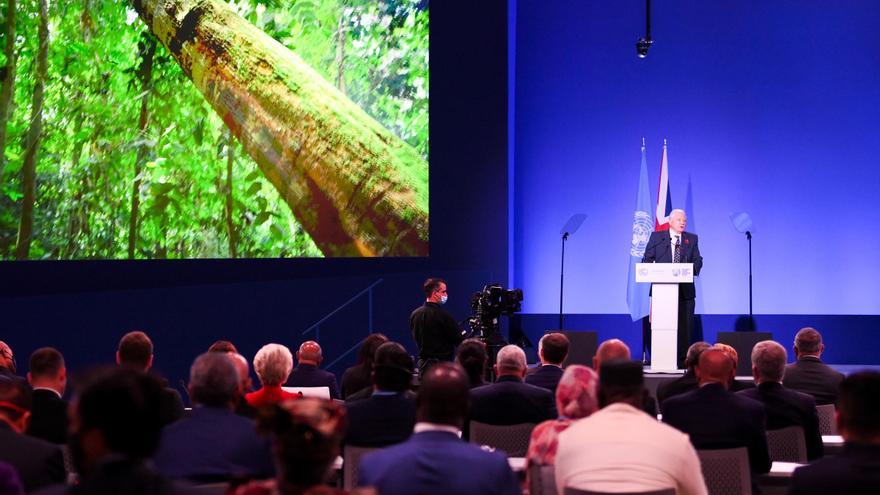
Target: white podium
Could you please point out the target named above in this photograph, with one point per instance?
(665, 278)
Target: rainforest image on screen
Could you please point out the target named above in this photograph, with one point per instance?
(169, 129)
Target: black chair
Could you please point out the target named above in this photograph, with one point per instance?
(726, 471)
(787, 444)
(542, 479)
(351, 460)
(827, 424)
(512, 439)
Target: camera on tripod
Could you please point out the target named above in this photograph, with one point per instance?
(488, 306)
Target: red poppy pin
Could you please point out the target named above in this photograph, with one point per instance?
(687, 241)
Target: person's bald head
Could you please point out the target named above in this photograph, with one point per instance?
(7, 358)
(715, 366)
(511, 361)
(309, 353)
(808, 342)
(610, 350)
(443, 395)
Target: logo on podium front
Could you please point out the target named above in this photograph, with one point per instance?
(676, 272)
(643, 272)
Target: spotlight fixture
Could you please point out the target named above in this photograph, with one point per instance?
(645, 43)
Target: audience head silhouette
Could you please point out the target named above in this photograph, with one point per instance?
(135, 351)
(858, 414)
(715, 366)
(368, 349)
(621, 381)
(576, 393)
(473, 358)
(511, 361)
(393, 368)
(273, 364)
(15, 402)
(610, 350)
(214, 381)
(553, 348)
(222, 346)
(808, 342)
(768, 361)
(47, 370)
(7, 358)
(693, 354)
(443, 395)
(309, 353)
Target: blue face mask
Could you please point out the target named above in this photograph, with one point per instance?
(443, 299)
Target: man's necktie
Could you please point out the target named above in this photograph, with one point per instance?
(676, 258)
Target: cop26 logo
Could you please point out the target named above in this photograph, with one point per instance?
(642, 227)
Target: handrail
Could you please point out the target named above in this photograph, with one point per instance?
(345, 304)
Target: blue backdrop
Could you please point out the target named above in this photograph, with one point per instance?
(769, 107)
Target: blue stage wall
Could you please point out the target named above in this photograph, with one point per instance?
(769, 108)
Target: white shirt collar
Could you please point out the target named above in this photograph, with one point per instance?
(50, 389)
(425, 426)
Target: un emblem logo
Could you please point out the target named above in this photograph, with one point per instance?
(642, 227)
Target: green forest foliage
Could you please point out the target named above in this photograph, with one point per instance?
(375, 51)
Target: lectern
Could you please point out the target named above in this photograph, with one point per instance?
(664, 278)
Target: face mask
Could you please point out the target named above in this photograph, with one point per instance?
(443, 299)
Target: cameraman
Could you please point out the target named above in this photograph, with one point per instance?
(433, 328)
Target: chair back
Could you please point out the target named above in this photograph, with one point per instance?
(220, 488)
(542, 479)
(574, 491)
(319, 392)
(726, 471)
(512, 439)
(827, 424)
(787, 445)
(351, 460)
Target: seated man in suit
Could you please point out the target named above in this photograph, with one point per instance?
(389, 415)
(48, 378)
(620, 448)
(783, 407)
(856, 470)
(214, 444)
(434, 460)
(38, 462)
(509, 401)
(552, 350)
(686, 382)
(716, 418)
(307, 374)
(808, 374)
(617, 350)
(135, 351)
(734, 385)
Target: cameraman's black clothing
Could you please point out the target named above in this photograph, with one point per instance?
(435, 332)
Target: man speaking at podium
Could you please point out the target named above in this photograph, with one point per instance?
(677, 246)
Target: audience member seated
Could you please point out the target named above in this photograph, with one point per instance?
(734, 385)
(135, 351)
(716, 418)
(509, 401)
(114, 430)
(7, 361)
(213, 444)
(620, 448)
(617, 350)
(856, 470)
(434, 460)
(245, 386)
(306, 436)
(223, 346)
(472, 356)
(307, 374)
(688, 381)
(388, 417)
(38, 462)
(552, 351)
(48, 378)
(359, 376)
(783, 407)
(808, 374)
(575, 399)
(272, 364)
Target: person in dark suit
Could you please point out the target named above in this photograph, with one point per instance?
(686, 382)
(552, 350)
(808, 374)
(38, 462)
(856, 470)
(389, 415)
(716, 418)
(213, 443)
(48, 378)
(677, 246)
(472, 356)
(735, 385)
(135, 351)
(359, 376)
(509, 401)
(307, 373)
(783, 407)
(435, 460)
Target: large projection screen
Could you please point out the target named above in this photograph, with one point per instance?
(175, 129)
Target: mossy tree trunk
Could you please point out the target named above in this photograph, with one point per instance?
(355, 187)
(32, 143)
(7, 87)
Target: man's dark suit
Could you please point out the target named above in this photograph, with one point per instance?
(811, 376)
(171, 408)
(381, 420)
(789, 408)
(855, 471)
(659, 250)
(678, 386)
(308, 375)
(545, 376)
(437, 462)
(38, 462)
(213, 444)
(509, 401)
(48, 417)
(715, 418)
